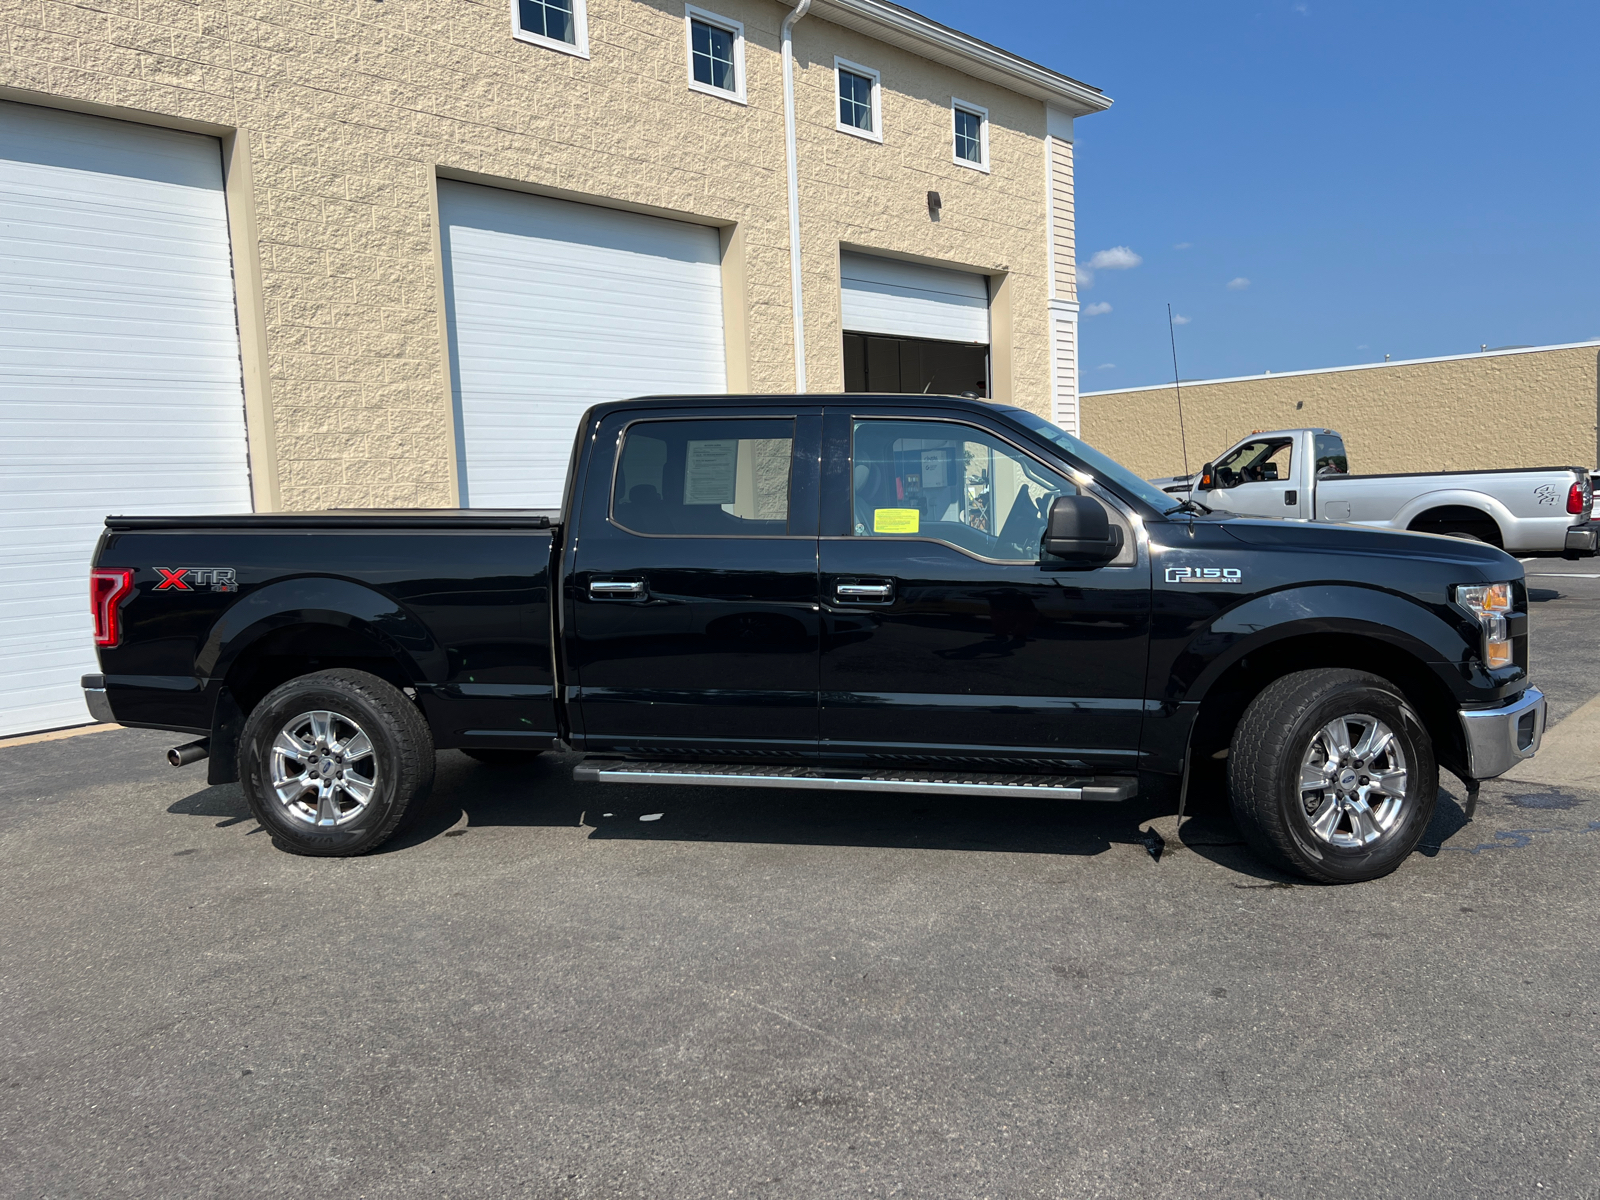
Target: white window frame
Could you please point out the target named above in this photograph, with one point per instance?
(578, 48)
(691, 14)
(982, 113)
(875, 134)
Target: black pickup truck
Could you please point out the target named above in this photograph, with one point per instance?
(891, 593)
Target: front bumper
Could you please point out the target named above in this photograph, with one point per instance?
(1581, 541)
(1499, 738)
(94, 695)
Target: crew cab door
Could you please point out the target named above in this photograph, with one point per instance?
(945, 637)
(1257, 478)
(692, 590)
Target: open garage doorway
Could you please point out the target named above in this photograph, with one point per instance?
(873, 363)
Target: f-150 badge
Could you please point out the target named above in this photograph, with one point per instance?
(1204, 575)
(191, 579)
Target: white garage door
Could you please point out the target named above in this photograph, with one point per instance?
(120, 383)
(900, 299)
(555, 306)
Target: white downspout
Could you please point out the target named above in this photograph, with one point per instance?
(789, 23)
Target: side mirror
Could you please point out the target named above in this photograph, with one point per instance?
(1080, 533)
(1208, 475)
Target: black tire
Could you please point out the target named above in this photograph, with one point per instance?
(502, 758)
(395, 775)
(1278, 736)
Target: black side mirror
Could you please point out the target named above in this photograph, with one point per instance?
(1207, 478)
(1080, 534)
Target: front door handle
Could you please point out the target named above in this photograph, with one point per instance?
(864, 593)
(616, 589)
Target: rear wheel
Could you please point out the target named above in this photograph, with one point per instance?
(1332, 776)
(332, 763)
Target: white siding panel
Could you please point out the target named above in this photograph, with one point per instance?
(556, 306)
(1064, 370)
(901, 299)
(120, 385)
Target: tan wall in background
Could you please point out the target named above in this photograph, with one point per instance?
(1520, 409)
(351, 111)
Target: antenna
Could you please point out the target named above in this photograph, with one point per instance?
(1178, 388)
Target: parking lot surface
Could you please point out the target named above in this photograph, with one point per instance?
(541, 992)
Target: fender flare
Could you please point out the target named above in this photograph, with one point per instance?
(1456, 498)
(1368, 612)
(327, 601)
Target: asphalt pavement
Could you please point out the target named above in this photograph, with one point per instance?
(544, 992)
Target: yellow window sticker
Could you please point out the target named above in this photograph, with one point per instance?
(896, 520)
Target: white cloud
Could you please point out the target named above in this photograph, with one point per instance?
(1118, 258)
(1238, 284)
(1181, 320)
(1094, 310)
(1302, 8)
(1106, 367)
(1183, 245)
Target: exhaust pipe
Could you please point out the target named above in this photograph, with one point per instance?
(182, 756)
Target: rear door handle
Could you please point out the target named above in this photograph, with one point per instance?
(864, 593)
(616, 589)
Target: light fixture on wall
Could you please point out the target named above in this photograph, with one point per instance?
(934, 205)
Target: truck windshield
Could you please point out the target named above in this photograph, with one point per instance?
(1096, 463)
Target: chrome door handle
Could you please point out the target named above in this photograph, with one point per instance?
(616, 589)
(864, 591)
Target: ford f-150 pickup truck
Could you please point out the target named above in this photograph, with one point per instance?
(910, 594)
(1305, 474)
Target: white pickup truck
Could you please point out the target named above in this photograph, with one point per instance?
(1305, 474)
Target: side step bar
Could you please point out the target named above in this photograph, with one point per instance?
(946, 783)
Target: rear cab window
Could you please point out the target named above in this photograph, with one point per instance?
(1331, 459)
(704, 478)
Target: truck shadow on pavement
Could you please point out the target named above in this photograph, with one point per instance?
(469, 795)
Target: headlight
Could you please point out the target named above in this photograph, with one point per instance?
(1489, 602)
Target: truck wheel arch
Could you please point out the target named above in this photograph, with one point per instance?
(1361, 628)
(1454, 519)
(275, 634)
(1481, 507)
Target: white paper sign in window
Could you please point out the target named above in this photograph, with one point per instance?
(710, 472)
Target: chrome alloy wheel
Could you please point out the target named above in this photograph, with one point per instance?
(324, 770)
(1353, 781)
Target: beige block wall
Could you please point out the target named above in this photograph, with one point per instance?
(873, 197)
(1524, 409)
(344, 114)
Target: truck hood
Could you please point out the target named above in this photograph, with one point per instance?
(1350, 539)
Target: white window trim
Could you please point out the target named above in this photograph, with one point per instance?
(876, 133)
(580, 30)
(691, 14)
(982, 114)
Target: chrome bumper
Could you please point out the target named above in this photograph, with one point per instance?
(94, 695)
(1499, 738)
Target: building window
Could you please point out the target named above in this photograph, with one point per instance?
(556, 24)
(860, 108)
(716, 54)
(971, 134)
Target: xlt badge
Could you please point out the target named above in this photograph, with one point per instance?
(1204, 575)
(189, 579)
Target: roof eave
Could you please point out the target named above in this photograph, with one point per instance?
(939, 43)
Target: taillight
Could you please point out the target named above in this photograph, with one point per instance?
(107, 588)
(1577, 499)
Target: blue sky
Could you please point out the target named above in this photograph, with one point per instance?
(1409, 178)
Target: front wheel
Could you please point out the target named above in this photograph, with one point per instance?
(1332, 776)
(332, 763)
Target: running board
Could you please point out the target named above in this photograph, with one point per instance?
(944, 783)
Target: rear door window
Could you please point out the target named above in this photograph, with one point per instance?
(716, 478)
(1331, 458)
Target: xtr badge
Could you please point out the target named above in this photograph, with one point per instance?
(1204, 575)
(194, 579)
